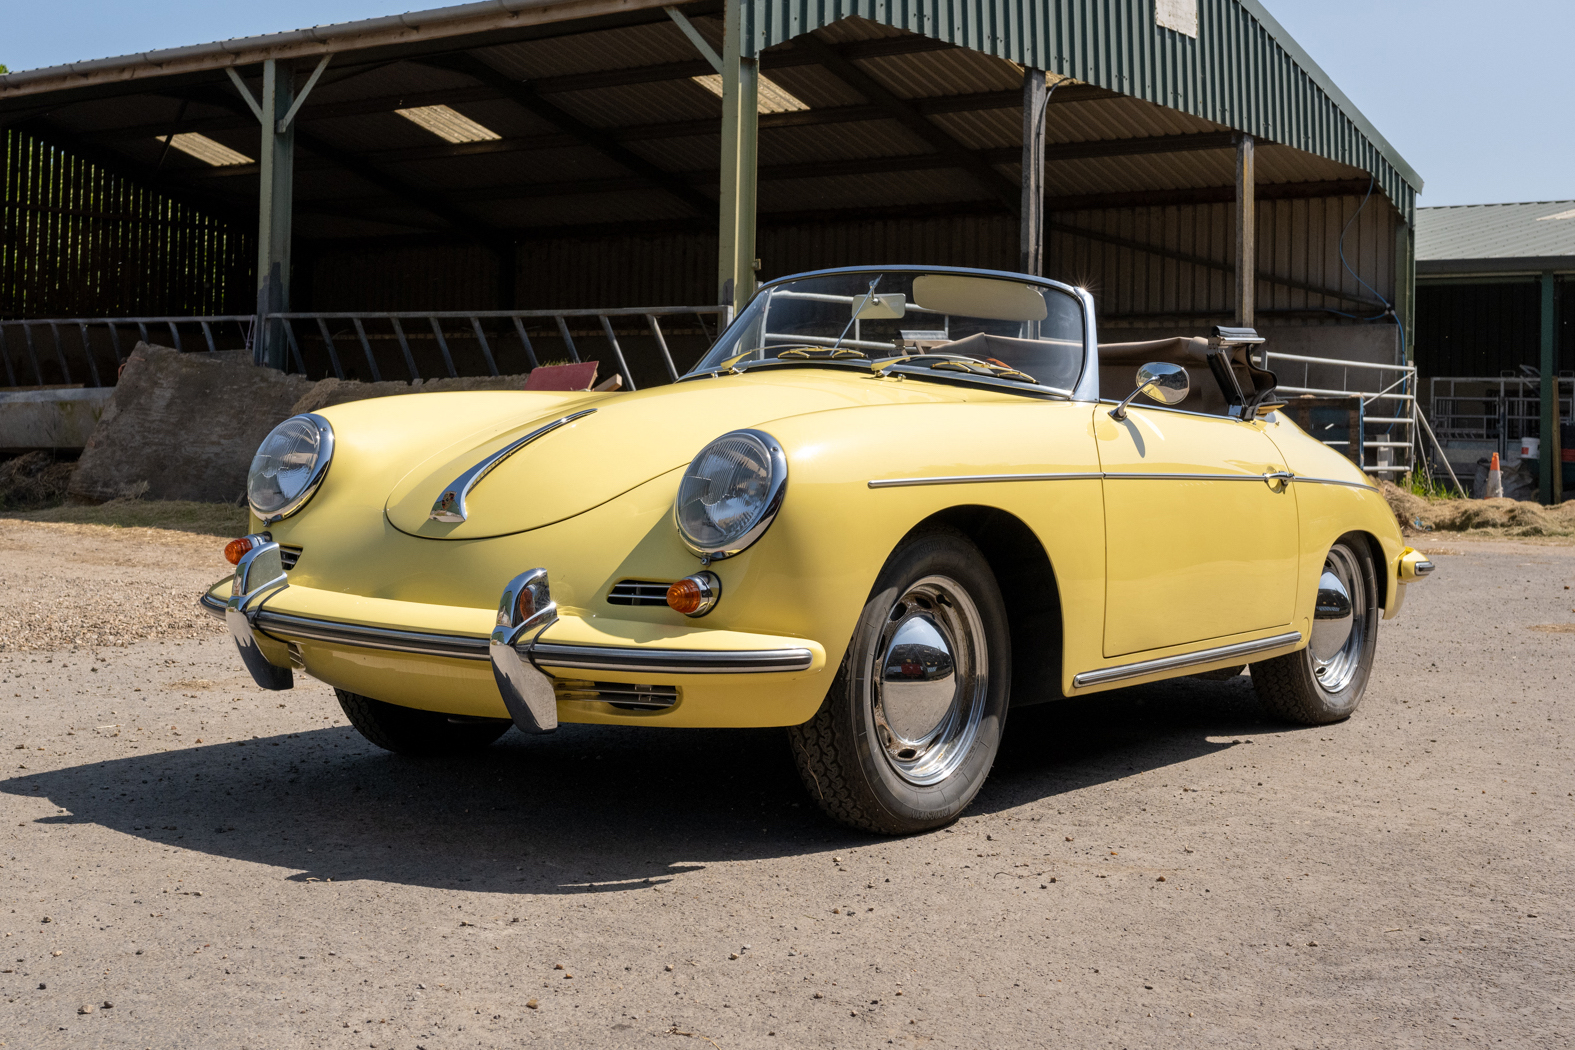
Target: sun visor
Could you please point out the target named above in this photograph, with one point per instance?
(948, 293)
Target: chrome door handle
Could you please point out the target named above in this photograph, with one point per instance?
(1278, 475)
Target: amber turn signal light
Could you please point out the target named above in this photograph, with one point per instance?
(695, 595)
(237, 549)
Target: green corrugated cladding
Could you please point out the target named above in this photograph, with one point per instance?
(1243, 71)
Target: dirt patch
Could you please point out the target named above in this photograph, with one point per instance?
(208, 519)
(1487, 517)
(1555, 628)
(65, 585)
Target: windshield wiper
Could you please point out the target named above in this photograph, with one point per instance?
(821, 353)
(958, 364)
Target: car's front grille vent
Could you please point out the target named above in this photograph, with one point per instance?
(290, 555)
(620, 694)
(638, 592)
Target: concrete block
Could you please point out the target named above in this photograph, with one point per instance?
(60, 419)
(187, 425)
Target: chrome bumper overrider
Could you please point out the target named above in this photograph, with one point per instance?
(515, 649)
(259, 574)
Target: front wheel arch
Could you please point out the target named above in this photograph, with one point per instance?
(1024, 573)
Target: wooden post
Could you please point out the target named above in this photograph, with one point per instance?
(1550, 481)
(1246, 234)
(740, 137)
(275, 211)
(1031, 238)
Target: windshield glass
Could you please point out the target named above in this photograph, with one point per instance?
(973, 324)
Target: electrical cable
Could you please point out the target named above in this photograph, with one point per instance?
(1389, 309)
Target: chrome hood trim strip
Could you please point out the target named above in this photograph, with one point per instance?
(1171, 663)
(450, 506)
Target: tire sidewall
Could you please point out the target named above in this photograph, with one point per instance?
(939, 552)
(1344, 703)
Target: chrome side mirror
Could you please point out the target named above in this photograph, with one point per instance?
(1166, 383)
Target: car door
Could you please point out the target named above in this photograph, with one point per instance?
(1200, 537)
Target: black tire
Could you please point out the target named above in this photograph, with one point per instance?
(864, 757)
(1323, 682)
(407, 731)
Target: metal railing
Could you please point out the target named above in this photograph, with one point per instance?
(1481, 411)
(427, 343)
(1391, 435)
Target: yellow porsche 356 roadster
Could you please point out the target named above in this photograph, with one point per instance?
(886, 506)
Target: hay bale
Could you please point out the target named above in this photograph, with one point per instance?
(1491, 517)
(183, 426)
(37, 479)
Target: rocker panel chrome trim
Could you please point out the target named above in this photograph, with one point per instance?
(1170, 663)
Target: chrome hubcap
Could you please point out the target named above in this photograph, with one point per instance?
(930, 680)
(1339, 627)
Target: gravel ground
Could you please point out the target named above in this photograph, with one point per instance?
(1158, 867)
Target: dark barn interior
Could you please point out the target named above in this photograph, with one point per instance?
(544, 156)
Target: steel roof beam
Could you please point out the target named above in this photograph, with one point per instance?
(864, 166)
(974, 103)
(598, 139)
(362, 168)
(769, 219)
(957, 155)
(648, 132)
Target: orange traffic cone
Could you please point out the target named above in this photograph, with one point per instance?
(1495, 480)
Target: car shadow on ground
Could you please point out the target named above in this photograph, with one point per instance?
(589, 809)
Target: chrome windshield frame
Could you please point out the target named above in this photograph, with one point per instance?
(1087, 388)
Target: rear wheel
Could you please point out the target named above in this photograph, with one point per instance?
(912, 723)
(407, 731)
(1324, 681)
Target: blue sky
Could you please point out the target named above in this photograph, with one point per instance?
(1477, 97)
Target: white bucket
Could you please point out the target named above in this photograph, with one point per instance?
(1529, 447)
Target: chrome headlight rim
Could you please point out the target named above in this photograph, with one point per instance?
(325, 456)
(775, 492)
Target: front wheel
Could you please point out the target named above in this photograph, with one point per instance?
(912, 723)
(1324, 682)
(408, 731)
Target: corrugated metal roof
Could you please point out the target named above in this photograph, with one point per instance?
(1541, 229)
(1243, 71)
(854, 177)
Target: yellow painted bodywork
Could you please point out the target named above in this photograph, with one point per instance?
(1144, 569)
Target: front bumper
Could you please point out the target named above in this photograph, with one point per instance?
(439, 658)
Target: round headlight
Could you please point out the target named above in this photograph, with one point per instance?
(730, 493)
(289, 466)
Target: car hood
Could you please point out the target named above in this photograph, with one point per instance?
(627, 440)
